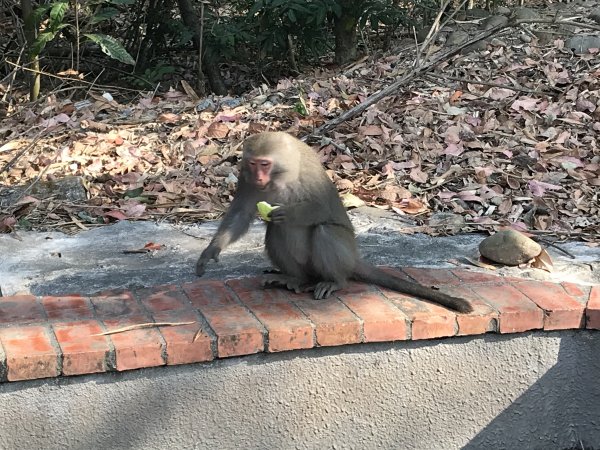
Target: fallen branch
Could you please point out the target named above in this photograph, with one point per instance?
(427, 67)
(393, 88)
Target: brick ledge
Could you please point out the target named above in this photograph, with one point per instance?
(44, 337)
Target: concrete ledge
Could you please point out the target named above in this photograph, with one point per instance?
(52, 336)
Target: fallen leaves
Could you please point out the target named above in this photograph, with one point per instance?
(475, 150)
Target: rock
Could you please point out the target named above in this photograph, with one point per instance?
(478, 46)
(68, 189)
(595, 15)
(509, 247)
(503, 11)
(498, 43)
(494, 21)
(525, 38)
(525, 14)
(452, 222)
(582, 43)
(456, 38)
(476, 13)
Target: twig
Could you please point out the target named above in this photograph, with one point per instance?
(414, 73)
(552, 244)
(74, 80)
(13, 161)
(427, 67)
(486, 83)
(139, 326)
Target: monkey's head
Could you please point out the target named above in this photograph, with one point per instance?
(270, 158)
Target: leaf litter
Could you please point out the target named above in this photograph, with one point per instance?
(513, 143)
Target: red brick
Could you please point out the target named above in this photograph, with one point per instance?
(72, 307)
(163, 298)
(562, 312)
(593, 309)
(334, 323)
(472, 276)
(238, 332)
(428, 320)
(245, 284)
(116, 304)
(355, 287)
(209, 294)
(181, 346)
(270, 295)
(381, 321)
(287, 327)
(20, 309)
(517, 312)
(432, 277)
(135, 349)
(82, 351)
(29, 353)
(576, 291)
(482, 320)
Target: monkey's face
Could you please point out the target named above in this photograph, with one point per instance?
(260, 170)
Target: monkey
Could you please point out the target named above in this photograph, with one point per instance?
(309, 238)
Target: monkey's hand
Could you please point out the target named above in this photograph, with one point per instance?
(278, 215)
(210, 252)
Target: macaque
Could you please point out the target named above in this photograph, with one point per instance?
(309, 238)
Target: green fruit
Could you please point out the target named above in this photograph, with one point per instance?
(264, 209)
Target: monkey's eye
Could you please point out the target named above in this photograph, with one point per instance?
(265, 163)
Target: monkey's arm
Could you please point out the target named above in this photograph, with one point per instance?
(234, 225)
(321, 209)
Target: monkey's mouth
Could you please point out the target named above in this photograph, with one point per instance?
(262, 187)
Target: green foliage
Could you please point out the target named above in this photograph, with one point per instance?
(91, 13)
(384, 12)
(304, 21)
(111, 47)
(151, 76)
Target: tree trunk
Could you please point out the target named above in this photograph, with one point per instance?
(34, 62)
(346, 37)
(210, 60)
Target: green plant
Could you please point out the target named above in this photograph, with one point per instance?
(151, 75)
(302, 20)
(56, 20)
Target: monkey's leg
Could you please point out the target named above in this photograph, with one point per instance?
(333, 257)
(288, 255)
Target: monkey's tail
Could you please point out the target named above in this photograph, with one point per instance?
(370, 274)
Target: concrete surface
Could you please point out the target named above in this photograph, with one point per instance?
(92, 261)
(527, 391)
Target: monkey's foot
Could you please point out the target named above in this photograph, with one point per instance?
(281, 280)
(324, 289)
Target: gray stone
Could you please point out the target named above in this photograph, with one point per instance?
(457, 37)
(582, 43)
(525, 14)
(476, 13)
(509, 247)
(67, 189)
(494, 21)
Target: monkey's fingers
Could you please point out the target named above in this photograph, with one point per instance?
(277, 215)
(324, 289)
(200, 269)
